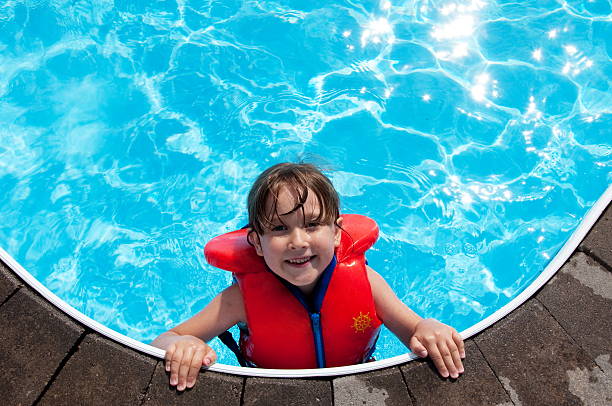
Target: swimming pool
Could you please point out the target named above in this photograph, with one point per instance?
(477, 134)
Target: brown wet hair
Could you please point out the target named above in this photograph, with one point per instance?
(299, 179)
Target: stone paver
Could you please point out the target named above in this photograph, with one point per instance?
(35, 340)
(532, 355)
(477, 386)
(593, 386)
(101, 372)
(211, 388)
(579, 297)
(384, 387)
(8, 282)
(294, 392)
(598, 241)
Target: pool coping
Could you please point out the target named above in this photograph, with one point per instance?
(495, 374)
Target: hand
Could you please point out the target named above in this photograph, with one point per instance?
(184, 358)
(443, 345)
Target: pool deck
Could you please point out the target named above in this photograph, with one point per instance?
(553, 350)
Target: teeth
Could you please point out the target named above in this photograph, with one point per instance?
(298, 261)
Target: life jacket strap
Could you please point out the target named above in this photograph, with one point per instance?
(227, 339)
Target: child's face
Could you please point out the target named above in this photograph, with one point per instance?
(298, 249)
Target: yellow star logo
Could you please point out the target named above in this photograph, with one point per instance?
(362, 322)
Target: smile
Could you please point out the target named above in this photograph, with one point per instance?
(299, 261)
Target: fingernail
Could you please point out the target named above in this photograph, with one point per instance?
(181, 387)
(454, 376)
(167, 368)
(173, 381)
(207, 361)
(463, 355)
(445, 374)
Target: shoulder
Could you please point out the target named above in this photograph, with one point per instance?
(381, 291)
(376, 281)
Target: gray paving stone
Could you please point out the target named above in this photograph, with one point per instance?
(532, 357)
(598, 241)
(211, 388)
(101, 372)
(579, 297)
(383, 387)
(8, 282)
(593, 386)
(477, 386)
(294, 392)
(35, 339)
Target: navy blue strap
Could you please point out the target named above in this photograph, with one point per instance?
(369, 356)
(227, 339)
(313, 304)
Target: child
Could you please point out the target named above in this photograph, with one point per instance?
(317, 264)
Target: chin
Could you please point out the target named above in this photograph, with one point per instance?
(303, 282)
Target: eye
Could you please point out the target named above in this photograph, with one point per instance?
(279, 228)
(312, 224)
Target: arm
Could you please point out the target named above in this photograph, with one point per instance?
(423, 336)
(185, 344)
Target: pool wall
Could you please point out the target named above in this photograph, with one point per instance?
(554, 265)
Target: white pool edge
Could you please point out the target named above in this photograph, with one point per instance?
(564, 253)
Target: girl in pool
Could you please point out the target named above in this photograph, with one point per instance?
(311, 301)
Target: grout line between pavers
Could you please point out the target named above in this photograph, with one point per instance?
(494, 372)
(146, 391)
(568, 334)
(10, 295)
(331, 383)
(595, 258)
(243, 390)
(410, 394)
(557, 321)
(71, 352)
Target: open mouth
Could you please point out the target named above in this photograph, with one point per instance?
(299, 261)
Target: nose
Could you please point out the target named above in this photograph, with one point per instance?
(298, 238)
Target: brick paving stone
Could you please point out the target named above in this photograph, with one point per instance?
(477, 386)
(35, 339)
(383, 387)
(532, 356)
(8, 282)
(579, 297)
(597, 241)
(101, 372)
(211, 388)
(294, 392)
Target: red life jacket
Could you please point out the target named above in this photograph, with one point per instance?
(285, 332)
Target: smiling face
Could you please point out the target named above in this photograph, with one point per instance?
(296, 246)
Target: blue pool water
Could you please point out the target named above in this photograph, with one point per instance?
(476, 133)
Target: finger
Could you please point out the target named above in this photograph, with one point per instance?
(210, 357)
(184, 368)
(175, 364)
(194, 368)
(456, 356)
(436, 358)
(168, 357)
(447, 358)
(417, 347)
(459, 343)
